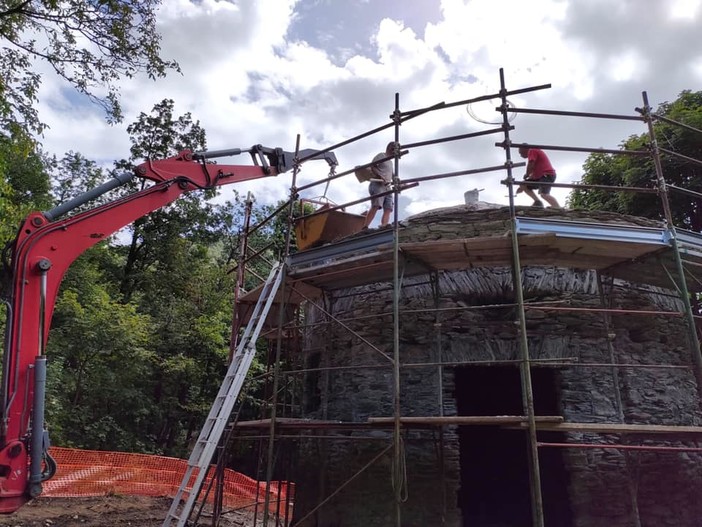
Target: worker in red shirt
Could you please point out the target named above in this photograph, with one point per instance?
(539, 169)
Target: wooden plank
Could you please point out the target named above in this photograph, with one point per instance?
(616, 428)
(293, 423)
(544, 423)
(574, 261)
(603, 247)
(526, 240)
(352, 262)
(633, 259)
(291, 296)
(466, 420)
(535, 249)
(487, 242)
(502, 245)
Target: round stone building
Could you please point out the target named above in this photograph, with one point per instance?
(611, 364)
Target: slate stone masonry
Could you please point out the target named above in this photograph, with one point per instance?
(605, 486)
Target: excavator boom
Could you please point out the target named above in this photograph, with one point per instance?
(41, 253)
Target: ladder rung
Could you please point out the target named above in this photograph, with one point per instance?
(217, 420)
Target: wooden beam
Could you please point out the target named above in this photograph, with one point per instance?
(466, 420)
(615, 428)
(544, 423)
(290, 422)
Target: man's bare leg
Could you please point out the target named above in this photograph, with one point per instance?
(369, 216)
(529, 192)
(551, 200)
(386, 217)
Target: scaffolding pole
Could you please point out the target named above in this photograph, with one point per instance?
(537, 506)
(279, 339)
(397, 479)
(525, 363)
(684, 293)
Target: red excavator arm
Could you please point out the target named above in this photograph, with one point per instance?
(40, 255)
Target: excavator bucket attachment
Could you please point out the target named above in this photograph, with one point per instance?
(326, 226)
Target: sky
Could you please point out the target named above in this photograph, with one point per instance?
(266, 71)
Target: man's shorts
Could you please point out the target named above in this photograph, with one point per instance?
(382, 202)
(543, 189)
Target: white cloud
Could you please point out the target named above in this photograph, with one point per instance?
(249, 81)
(697, 69)
(684, 9)
(625, 66)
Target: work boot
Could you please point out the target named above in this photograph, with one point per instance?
(538, 204)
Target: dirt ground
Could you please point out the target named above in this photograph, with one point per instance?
(108, 511)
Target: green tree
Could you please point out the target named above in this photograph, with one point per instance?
(140, 337)
(100, 363)
(23, 179)
(24, 169)
(156, 136)
(72, 175)
(635, 171)
(173, 268)
(189, 299)
(89, 44)
(24, 186)
(268, 240)
(9, 211)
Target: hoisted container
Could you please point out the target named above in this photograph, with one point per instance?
(325, 225)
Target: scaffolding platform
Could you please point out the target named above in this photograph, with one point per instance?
(630, 252)
(543, 423)
(509, 239)
(408, 422)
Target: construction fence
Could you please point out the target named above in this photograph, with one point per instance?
(96, 473)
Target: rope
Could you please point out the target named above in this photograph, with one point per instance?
(511, 116)
(332, 172)
(399, 473)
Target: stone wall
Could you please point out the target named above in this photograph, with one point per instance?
(605, 486)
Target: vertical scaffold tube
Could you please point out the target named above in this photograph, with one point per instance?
(397, 437)
(537, 510)
(279, 334)
(684, 293)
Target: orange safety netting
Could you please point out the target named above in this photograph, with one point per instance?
(97, 473)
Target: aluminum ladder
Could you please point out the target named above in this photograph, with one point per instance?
(223, 405)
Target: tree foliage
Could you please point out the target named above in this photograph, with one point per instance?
(172, 272)
(141, 331)
(89, 44)
(24, 180)
(630, 171)
(24, 186)
(100, 364)
(189, 299)
(159, 135)
(72, 175)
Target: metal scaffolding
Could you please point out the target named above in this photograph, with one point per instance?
(309, 272)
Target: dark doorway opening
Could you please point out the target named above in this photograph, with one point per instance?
(495, 488)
